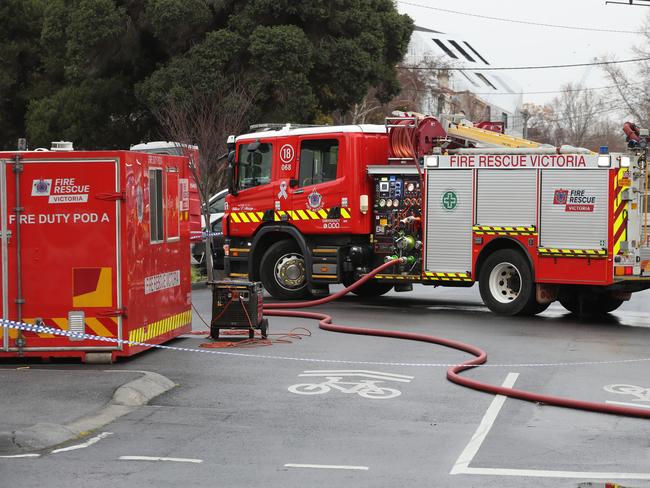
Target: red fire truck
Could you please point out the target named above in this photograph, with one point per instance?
(94, 243)
(314, 206)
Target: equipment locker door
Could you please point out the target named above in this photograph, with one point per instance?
(4, 272)
(449, 212)
(61, 263)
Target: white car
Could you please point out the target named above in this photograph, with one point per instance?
(216, 209)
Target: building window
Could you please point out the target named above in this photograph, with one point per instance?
(447, 51)
(441, 104)
(318, 161)
(254, 166)
(486, 81)
(504, 119)
(462, 51)
(468, 78)
(156, 205)
(476, 52)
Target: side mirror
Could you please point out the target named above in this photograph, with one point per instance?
(231, 157)
(230, 176)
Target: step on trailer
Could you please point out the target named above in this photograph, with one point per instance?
(94, 243)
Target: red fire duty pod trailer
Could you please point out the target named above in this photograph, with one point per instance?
(95, 243)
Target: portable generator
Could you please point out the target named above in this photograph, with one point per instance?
(237, 305)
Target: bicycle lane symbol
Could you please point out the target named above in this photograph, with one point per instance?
(366, 384)
(638, 394)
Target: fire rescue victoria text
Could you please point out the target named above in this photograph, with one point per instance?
(518, 161)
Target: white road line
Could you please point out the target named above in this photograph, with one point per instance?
(462, 463)
(361, 375)
(628, 404)
(540, 473)
(327, 466)
(152, 458)
(21, 456)
(88, 443)
(357, 371)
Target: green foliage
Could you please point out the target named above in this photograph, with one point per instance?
(92, 71)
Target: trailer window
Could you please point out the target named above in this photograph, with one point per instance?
(254, 166)
(318, 161)
(156, 204)
(173, 205)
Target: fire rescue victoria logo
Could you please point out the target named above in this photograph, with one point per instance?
(574, 200)
(41, 188)
(315, 201)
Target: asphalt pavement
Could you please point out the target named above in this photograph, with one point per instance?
(341, 410)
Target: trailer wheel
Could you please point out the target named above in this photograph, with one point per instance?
(506, 284)
(283, 271)
(589, 306)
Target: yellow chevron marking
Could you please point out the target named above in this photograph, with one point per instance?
(323, 213)
(293, 215)
(313, 214)
(303, 215)
(61, 323)
(97, 327)
(235, 218)
(345, 213)
(260, 215)
(253, 217)
(242, 215)
(163, 326)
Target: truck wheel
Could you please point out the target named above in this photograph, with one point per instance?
(283, 271)
(506, 284)
(586, 306)
(370, 288)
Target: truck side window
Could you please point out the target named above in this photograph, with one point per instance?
(254, 166)
(156, 204)
(173, 205)
(318, 161)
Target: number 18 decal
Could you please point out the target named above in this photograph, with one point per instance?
(286, 153)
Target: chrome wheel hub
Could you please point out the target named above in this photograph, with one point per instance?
(290, 272)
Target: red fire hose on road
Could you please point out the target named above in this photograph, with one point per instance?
(453, 373)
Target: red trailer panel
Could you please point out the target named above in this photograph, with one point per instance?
(99, 245)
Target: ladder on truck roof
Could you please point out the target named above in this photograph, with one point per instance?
(491, 138)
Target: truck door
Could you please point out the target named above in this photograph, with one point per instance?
(61, 253)
(256, 188)
(317, 199)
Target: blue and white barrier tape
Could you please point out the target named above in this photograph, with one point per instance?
(201, 236)
(10, 324)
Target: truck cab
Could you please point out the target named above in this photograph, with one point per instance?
(298, 201)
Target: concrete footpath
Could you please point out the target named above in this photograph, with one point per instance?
(42, 407)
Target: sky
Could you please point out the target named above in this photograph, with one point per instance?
(509, 44)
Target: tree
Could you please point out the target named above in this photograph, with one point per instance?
(633, 89)
(93, 71)
(20, 59)
(578, 116)
(205, 120)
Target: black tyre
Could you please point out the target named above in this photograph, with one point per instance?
(214, 333)
(589, 306)
(283, 271)
(506, 284)
(370, 288)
